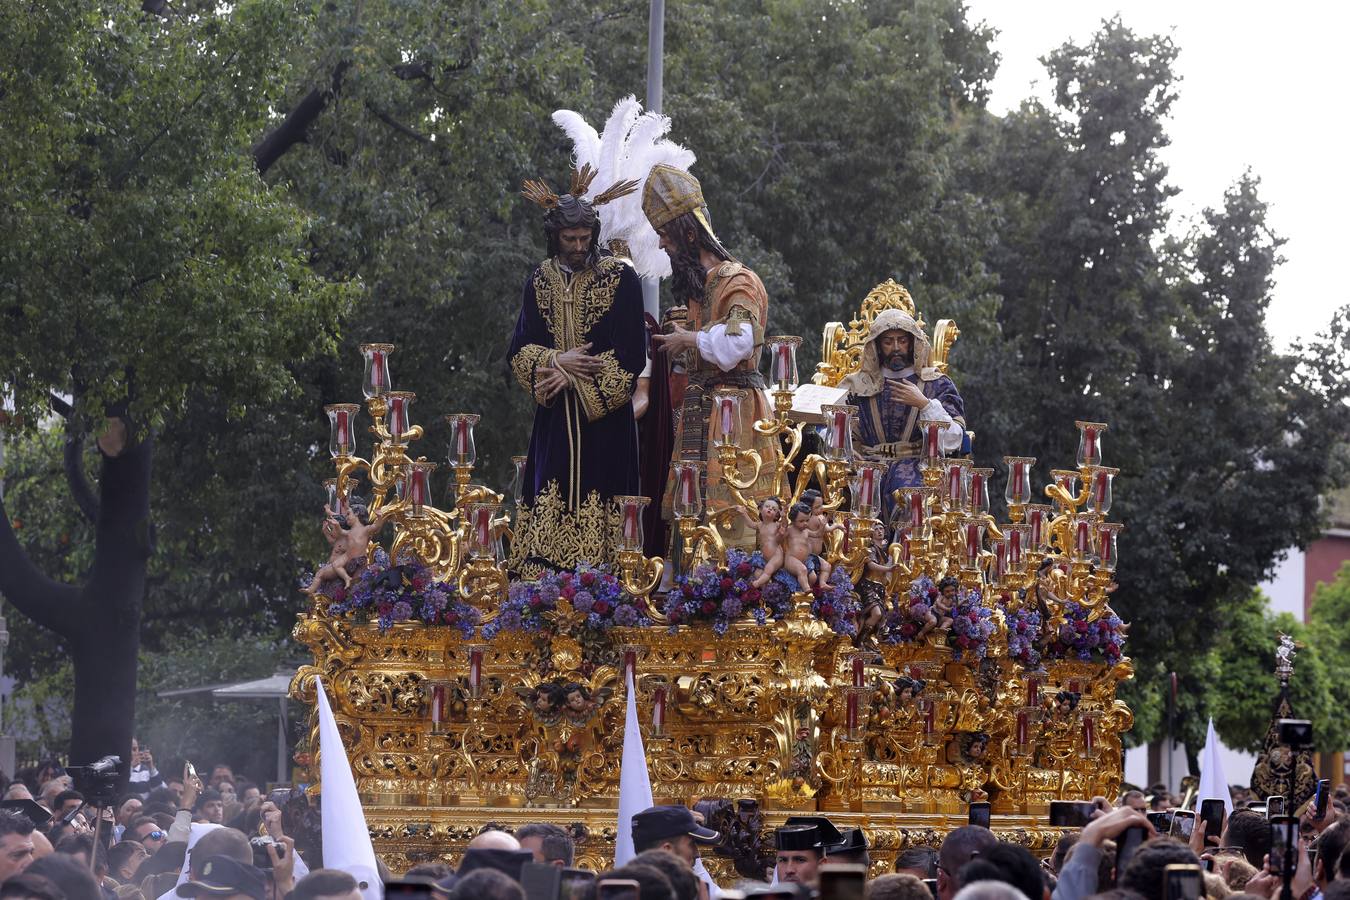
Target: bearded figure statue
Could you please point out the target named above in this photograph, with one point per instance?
(896, 387)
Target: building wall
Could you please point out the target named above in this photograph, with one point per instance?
(1323, 560)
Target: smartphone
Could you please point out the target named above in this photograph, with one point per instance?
(1183, 823)
(979, 814)
(842, 881)
(1160, 820)
(1071, 813)
(575, 884)
(1323, 795)
(1211, 813)
(408, 889)
(932, 886)
(618, 889)
(541, 881)
(1183, 882)
(1283, 835)
(1129, 841)
(1274, 807)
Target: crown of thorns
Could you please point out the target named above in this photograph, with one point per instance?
(537, 191)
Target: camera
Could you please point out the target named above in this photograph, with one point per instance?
(98, 781)
(260, 856)
(1297, 734)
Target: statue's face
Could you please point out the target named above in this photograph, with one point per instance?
(895, 349)
(574, 245)
(576, 701)
(769, 511)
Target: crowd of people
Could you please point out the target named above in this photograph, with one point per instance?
(224, 839)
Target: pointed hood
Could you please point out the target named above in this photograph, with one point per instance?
(635, 785)
(346, 839)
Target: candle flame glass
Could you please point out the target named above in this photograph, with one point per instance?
(866, 489)
(630, 522)
(397, 418)
(463, 452)
(1017, 489)
(479, 522)
(972, 542)
(839, 430)
(1066, 479)
(1082, 545)
(930, 432)
(1100, 479)
(419, 486)
(783, 361)
(1107, 533)
(954, 483)
(1038, 520)
(977, 489)
(376, 379)
(341, 428)
(1090, 443)
(1019, 545)
(724, 426)
(688, 499)
(518, 480)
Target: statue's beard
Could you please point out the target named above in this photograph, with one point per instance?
(688, 277)
(899, 360)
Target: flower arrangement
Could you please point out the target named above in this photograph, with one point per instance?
(714, 596)
(591, 591)
(403, 592)
(1080, 639)
(907, 617)
(836, 604)
(1024, 632)
(972, 626)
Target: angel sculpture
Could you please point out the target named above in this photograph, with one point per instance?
(346, 544)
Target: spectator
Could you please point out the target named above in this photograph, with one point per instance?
(487, 884)
(1135, 800)
(1250, 831)
(1144, 874)
(328, 884)
(248, 792)
(1236, 871)
(144, 777)
(16, 843)
(71, 878)
(1010, 864)
(1338, 890)
(549, 843)
(82, 847)
(958, 848)
(1331, 845)
(652, 885)
(209, 807)
(124, 859)
(159, 873)
(147, 833)
(673, 829)
(921, 862)
(225, 878)
(507, 861)
(50, 790)
(128, 808)
(18, 791)
(27, 886)
(1066, 842)
(436, 871)
(220, 772)
(682, 880)
(990, 890)
(65, 802)
(1079, 876)
(898, 887)
(852, 849)
(1215, 887)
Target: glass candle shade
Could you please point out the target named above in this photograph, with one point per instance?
(930, 432)
(630, 522)
(1087, 747)
(977, 490)
(998, 561)
(839, 430)
(418, 489)
(463, 451)
(476, 671)
(1038, 520)
(783, 361)
(1090, 443)
(914, 510)
(1100, 480)
(1082, 545)
(332, 499)
(866, 489)
(376, 379)
(397, 419)
(437, 695)
(341, 429)
(972, 542)
(902, 539)
(1033, 691)
(688, 499)
(1019, 545)
(724, 425)
(954, 483)
(658, 711)
(1107, 533)
(479, 520)
(518, 480)
(1067, 479)
(1017, 489)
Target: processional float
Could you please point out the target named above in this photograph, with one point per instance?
(465, 696)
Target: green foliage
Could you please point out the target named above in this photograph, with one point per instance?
(1329, 621)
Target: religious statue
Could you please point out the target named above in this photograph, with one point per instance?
(896, 387)
(346, 545)
(578, 347)
(728, 309)
(770, 528)
(872, 588)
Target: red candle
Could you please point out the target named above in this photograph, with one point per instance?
(1075, 686)
(378, 377)
(630, 662)
(462, 438)
(1083, 537)
(857, 671)
(783, 367)
(475, 670)
(1033, 692)
(483, 523)
(659, 710)
(343, 439)
(1101, 488)
(929, 715)
(1105, 549)
(1036, 519)
(1090, 444)
(976, 489)
(398, 417)
(932, 438)
(418, 493)
(904, 548)
(437, 704)
(630, 519)
(728, 421)
(1087, 734)
(867, 487)
(972, 541)
(687, 486)
(1022, 727)
(1018, 471)
(1015, 547)
(840, 430)
(954, 484)
(916, 510)
(852, 712)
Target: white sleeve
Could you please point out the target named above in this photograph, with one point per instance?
(952, 432)
(702, 874)
(723, 349)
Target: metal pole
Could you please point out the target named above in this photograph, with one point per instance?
(281, 745)
(656, 50)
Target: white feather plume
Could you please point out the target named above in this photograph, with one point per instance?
(585, 141)
(613, 141)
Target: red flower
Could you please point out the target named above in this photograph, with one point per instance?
(827, 609)
(687, 590)
(908, 629)
(932, 592)
(568, 592)
(339, 594)
(727, 584)
(744, 569)
(536, 602)
(752, 595)
(451, 618)
(588, 578)
(709, 607)
(601, 606)
(973, 616)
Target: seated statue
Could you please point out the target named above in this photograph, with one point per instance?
(897, 386)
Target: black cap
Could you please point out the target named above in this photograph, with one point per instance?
(797, 837)
(854, 841)
(508, 862)
(222, 876)
(657, 823)
(30, 808)
(828, 834)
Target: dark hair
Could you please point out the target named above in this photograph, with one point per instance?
(209, 795)
(963, 844)
(60, 799)
(27, 885)
(652, 882)
(1007, 863)
(688, 277)
(484, 884)
(572, 212)
(1336, 890)
(810, 496)
(323, 883)
(682, 879)
(555, 844)
(799, 509)
(221, 842)
(1144, 874)
(163, 795)
(75, 843)
(435, 870)
(925, 858)
(1331, 844)
(897, 887)
(14, 822)
(1250, 831)
(120, 853)
(72, 879)
(948, 582)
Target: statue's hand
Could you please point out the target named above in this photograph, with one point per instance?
(906, 392)
(578, 361)
(550, 383)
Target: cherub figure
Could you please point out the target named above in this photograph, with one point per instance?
(346, 544)
(820, 527)
(770, 528)
(872, 587)
(940, 616)
(577, 702)
(798, 560)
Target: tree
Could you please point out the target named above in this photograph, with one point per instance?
(149, 263)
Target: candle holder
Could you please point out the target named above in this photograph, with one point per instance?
(418, 487)
(1019, 544)
(977, 490)
(1088, 738)
(1064, 490)
(783, 361)
(660, 702)
(437, 693)
(479, 522)
(724, 425)
(928, 711)
(476, 654)
(401, 430)
(1039, 517)
(914, 503)
(376, 379)
(1082, 546)
(688, 498)
(1090, 443)
(463, 450)
(930, 433)
(1017, 489)
(866, 490)
(1107, 533)
(341, 429)
(638, 574)
(1098, 481)
(954, 484)
(518, 480)
(857, 702)
(971, 532)
(999, 568)
(839, 431)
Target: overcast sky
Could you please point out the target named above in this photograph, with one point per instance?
(1262, 87)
